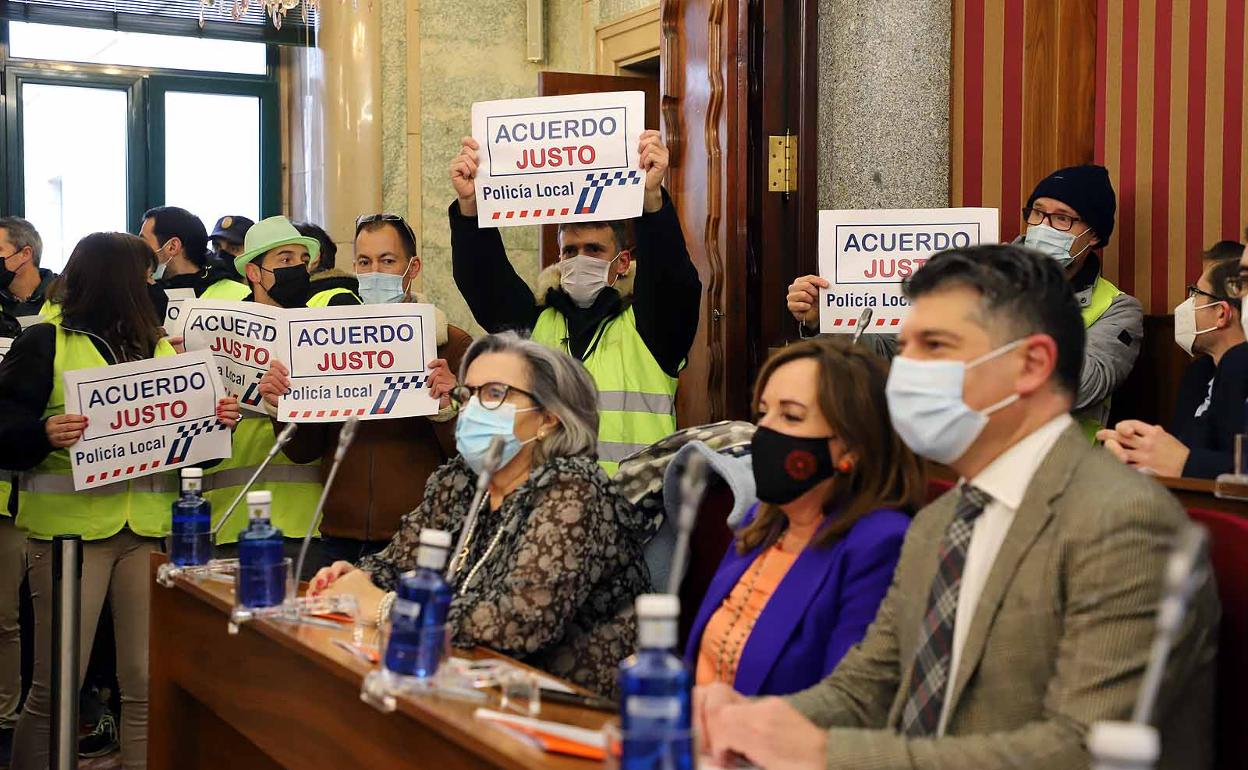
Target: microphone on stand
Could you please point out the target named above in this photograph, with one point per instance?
(864, 321)
(1185, 572)
(692, 487)
(493, 455)
(282, 440)
(1137, 743)
(345, 437)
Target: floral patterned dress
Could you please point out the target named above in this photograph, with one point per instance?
(550, 577)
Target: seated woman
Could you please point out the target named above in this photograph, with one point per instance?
(551, 571)
(813, 560)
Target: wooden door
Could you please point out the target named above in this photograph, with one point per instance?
(735, 72)
(567, 83)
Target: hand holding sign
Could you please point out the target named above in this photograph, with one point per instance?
(464, 174)
(275, 383)
(64, 430)
(803, 299)
(654, 161)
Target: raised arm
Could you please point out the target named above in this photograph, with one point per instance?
(667, 293)
(497, 296)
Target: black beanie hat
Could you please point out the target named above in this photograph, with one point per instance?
(1087, 190)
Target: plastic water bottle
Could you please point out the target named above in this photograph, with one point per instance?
(261, 562)
(190, 539)
(655, 692)
(418, 617)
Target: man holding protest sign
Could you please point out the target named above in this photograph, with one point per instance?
(107, 318)
(275, 261)
(384, 472)
(629, 314)
(1069, 217)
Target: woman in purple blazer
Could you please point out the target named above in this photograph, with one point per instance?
(812, 561)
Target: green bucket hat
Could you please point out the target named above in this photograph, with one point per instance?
(268, 234)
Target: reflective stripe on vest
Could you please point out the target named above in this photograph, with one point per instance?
(321, 299)
(636, 398)
(296, 488)
(226, 289)
(141, 504)
(1103, 295)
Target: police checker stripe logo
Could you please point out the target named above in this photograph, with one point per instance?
(187, 433)
(307, 413)
(177, 452)
(878, 321)
(393, 386)
(596, 183)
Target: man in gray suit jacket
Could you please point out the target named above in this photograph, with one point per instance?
(1026, 599)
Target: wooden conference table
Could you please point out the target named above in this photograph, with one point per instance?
(282, 695)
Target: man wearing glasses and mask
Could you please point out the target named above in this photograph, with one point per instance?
(1069, 217)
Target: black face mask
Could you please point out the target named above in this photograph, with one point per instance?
(291, 286)
(787, 467)
(6, 275)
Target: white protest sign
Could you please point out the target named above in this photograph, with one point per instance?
(559, 158)
(365, 361)
(242, 336)
(867, 254)
(145, 417)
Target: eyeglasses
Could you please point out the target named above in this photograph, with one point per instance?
(367, 219)
(1062, 222)
(491, 395)
(1194, 291)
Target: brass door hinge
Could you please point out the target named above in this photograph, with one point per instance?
(782, 164)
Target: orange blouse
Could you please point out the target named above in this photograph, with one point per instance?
(730, 626)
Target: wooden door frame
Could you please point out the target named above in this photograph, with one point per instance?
(708, 47)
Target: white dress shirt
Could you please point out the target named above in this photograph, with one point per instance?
(1005, 480)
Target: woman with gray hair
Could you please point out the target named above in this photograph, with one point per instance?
(549, 571)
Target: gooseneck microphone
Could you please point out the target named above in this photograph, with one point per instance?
(1185, 572)
(493, 456)
(864, 321)
(345, 437)
(282, 440)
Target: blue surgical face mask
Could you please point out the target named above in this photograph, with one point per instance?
(1052, 243)
(380, 288)
(477, 426)
(926, 407)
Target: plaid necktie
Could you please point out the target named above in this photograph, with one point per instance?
(921, 715)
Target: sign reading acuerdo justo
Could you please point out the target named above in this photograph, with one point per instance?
(559, 158)
(866, 255)
(369, 362)
(145, 417)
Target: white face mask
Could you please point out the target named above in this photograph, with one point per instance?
(159, 272)
(1185, 324)
(380, 288)
(1052, 243)
(583, 277)
(926, 408)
